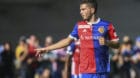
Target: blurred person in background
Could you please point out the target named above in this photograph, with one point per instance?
(21, 49)
(7, 60)
(126, 38)
(32, 62)
(61, 54)
(56, 58)
(1, 64)
(126, 46)
(44, 61)
(136, 57)
(126, 51)
(1, 50)
(50, 60)
(21, 53)
(33, 43)
(48, 41)
(115, 62)
(72, 60)
(137, 46)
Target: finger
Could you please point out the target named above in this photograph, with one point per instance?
(40, 55)
(37, 53)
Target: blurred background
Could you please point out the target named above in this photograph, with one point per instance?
(28, 24)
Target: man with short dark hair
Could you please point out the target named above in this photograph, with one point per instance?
(96, 36)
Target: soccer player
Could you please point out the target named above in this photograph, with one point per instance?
(73, 60)
(96, 36)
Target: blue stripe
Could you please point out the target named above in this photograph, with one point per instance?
(101, 52)
(99, 75)
(74, 76)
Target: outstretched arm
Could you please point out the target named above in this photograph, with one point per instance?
(60, 44)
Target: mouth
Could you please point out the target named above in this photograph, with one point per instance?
(83, 16)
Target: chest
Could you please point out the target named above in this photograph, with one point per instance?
(92, 31)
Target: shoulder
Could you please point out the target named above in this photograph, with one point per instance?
(105, 22)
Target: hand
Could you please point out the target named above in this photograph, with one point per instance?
(40, 51)
(102, 41)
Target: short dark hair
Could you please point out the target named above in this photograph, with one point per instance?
(92, 3)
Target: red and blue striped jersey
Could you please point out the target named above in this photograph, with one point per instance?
(94, 57)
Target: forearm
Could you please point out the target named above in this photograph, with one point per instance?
(62, 43)
(113, 44)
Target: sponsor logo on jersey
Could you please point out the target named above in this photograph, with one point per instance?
(89, 37)
(84, 26)
(84, 30)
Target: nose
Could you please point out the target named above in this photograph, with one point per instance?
(81, 12)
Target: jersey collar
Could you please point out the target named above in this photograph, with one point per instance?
(96, 22)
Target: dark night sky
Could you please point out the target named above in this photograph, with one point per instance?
(57, 17)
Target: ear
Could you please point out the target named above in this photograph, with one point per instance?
(92, 10)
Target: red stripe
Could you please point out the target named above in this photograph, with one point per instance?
(112, 32)
(76, 61)
(87, 55)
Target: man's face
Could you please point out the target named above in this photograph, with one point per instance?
(86, 11)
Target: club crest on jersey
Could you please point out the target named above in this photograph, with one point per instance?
(101, 29)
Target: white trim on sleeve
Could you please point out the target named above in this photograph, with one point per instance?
(117, 39)
(72, 37)
(68, 52)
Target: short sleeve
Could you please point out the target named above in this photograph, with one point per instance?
(74, 33)
(112, 33)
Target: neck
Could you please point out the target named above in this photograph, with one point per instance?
(92, 19)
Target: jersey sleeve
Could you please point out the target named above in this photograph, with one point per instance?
(74, 33)
(112, 33)
(71, 48)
